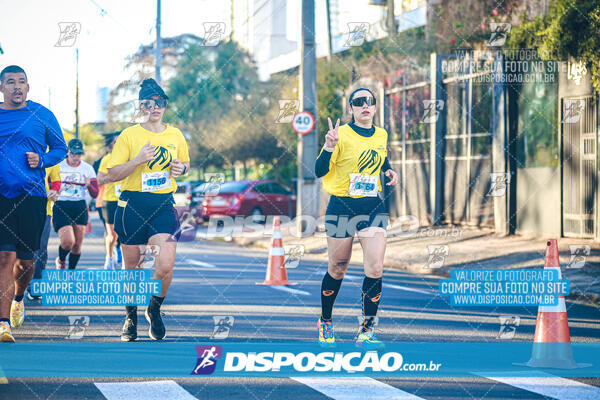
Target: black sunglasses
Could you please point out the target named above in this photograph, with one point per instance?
(359, 101)
(151, 103)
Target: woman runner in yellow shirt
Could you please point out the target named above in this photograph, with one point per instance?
(148, 157)
(351, 161)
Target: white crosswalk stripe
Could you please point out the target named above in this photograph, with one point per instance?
(546, 384)
(363, 388)
(201, 264)
(290, 290)
(151, 390)
(355, 388)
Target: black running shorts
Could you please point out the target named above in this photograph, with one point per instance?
(22, 221)
(108, 211)
(346, 216)
(67, 213)
(140, 216)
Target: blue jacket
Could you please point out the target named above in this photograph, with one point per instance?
(33, 128)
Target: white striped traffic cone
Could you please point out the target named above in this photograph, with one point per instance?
(276, 272)
(552, 341)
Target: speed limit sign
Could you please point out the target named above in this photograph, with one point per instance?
(303, 122)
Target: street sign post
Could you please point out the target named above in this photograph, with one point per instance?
(303, 122)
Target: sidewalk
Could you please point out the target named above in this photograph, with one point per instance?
(461, 247)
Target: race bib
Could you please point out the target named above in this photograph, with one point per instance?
(118, 190)
(70, 190)
(363, 185)
(155, 181)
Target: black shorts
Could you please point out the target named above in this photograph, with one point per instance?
(108, 211)
(346, 216)
(140, 216)
(22, 222)
(100, 215)
(67, 213)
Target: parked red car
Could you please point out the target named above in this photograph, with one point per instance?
(245, 198)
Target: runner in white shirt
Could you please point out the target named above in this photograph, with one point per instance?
(70, 213)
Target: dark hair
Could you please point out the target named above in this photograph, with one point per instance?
(150, 88)
(11, 69)
(109, 138)
(354, 92)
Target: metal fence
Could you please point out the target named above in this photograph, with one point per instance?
(466, 117)
(579, 160)
(409, 149)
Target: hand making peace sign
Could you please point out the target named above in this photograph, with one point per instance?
(331, 138)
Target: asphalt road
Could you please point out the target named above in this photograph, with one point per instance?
(216, 279)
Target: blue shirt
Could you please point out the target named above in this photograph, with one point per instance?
(32, 128)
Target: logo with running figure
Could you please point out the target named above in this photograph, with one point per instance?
(68, 34)
(78, 324)
(223, 325)
(369, 162)
(500, 31)
(162, 158)
(357, 33)
(207, 359)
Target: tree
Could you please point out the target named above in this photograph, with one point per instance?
(571, 29)
(217, 97)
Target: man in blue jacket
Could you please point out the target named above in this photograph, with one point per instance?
(27, 129)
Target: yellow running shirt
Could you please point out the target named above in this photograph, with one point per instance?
(53, 174)
(112, 191)
(358, 160)
(155, 175)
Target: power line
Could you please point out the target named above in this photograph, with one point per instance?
(104, 12)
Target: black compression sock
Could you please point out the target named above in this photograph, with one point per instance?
(329, 291)
(73, 260)
(18, 298)
(158, 300)
(62, 254)
(371, 295)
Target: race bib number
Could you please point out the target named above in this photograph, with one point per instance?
(118, 190)
(155, 181)
(70, 190)
(363, 185)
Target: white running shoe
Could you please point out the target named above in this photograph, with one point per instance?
(109, 263)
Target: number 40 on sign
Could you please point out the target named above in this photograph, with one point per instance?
(303, 122)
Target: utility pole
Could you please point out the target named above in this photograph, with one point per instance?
(232, 20)
(158, 43)
(77, 93)
(391, 20)
(308, 187)
(329, 46)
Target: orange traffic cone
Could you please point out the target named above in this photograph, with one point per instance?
(552, 341)
(276, 272)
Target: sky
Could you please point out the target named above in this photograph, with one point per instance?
(110, 31)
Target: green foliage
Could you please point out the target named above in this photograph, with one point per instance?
(528, 34)
(332, 80)
(218, 99)
(571, 29)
